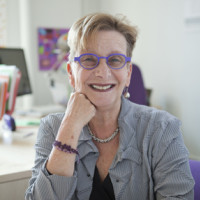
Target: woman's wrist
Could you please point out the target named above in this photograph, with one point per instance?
(69, 134)
(61, 163)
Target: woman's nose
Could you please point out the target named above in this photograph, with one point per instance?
(102, 69)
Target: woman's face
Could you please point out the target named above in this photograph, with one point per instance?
(102, 85)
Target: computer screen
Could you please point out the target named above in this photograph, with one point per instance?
(15, 56)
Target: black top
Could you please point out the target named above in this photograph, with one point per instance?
(102, 190)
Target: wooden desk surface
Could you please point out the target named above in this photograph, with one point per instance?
(17, 156)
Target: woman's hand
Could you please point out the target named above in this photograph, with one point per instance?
(79, 110)
(78, 113)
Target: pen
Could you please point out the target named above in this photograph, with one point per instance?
(28, 135)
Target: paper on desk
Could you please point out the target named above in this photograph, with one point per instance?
(27, 122)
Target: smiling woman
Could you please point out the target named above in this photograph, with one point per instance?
(104, 146)
(104, 82)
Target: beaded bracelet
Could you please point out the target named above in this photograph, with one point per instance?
(64, 147)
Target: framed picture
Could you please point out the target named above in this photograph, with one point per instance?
(48, 48)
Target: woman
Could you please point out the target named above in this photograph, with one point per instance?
(104, 146)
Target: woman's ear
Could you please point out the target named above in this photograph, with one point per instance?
(129, 73)
(70, 75)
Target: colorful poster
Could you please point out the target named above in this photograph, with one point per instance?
(51, 54)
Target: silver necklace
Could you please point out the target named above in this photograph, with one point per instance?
(103, 140)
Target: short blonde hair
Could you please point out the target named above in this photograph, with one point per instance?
(86, 27)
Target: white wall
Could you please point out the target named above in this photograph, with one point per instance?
(13, 23)
(168, 53)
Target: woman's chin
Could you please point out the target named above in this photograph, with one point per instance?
(104, 103)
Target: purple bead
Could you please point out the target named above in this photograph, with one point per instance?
(68, 148)
(64, 147)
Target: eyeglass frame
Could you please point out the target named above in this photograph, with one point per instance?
(127, 59)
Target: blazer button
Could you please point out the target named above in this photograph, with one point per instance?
(117, 180)
(88, 175)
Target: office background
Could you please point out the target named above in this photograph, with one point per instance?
(167, 50)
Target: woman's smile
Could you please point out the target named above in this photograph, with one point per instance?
(102, 87)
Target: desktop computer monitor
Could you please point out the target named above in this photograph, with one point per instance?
(15, 56)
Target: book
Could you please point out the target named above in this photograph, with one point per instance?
(4, 94)
(2, 109)
(9, 77)
(10, 71)
(16, 85)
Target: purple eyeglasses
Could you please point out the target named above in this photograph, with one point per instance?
(114, 61)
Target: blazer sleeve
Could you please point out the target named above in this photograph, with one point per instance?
(171, 170)
(42, 185)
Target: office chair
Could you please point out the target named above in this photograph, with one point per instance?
(138, 93)
(195, 169)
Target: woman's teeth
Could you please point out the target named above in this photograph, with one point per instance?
(102, 87)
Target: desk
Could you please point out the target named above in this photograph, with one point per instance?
(16, 161)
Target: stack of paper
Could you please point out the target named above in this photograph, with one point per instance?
(9, 81)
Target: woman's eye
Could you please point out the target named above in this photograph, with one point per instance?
(88, 59)
(115, 59)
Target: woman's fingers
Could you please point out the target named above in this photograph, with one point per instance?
(80, 109)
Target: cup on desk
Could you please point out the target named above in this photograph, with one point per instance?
(6, 129)
(7, 136)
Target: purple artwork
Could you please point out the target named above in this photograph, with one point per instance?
(48, 50)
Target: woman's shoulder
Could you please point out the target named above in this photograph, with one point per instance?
(53, 117)
(150, 125)
(52, 121)
(147, 115)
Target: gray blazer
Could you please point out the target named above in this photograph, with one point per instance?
(151, 162)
